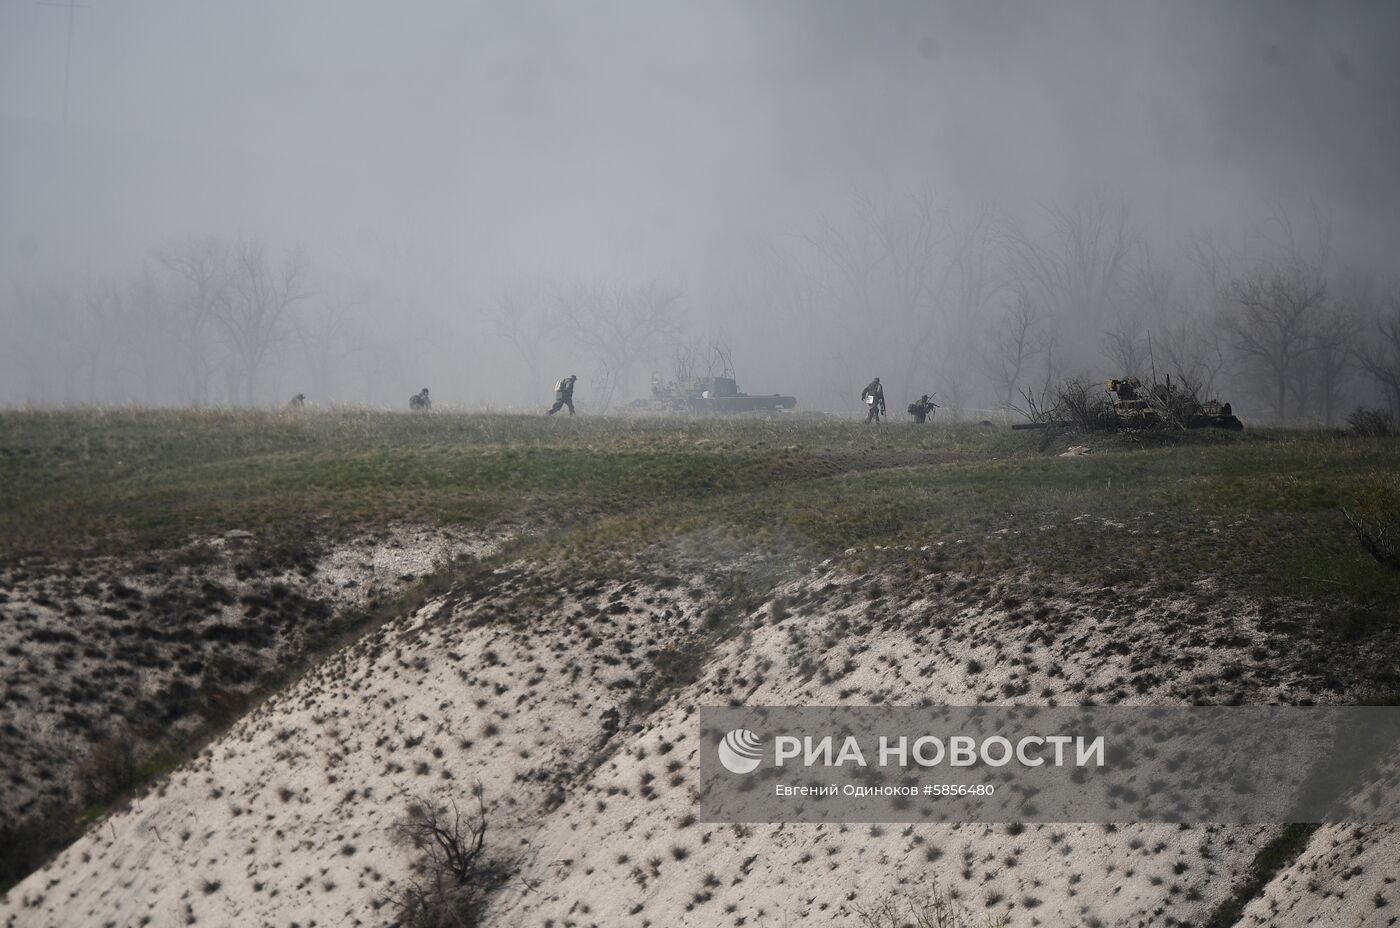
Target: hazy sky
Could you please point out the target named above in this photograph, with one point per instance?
(663, 133)
(432, 150)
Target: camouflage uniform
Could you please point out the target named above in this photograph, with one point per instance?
(922, 409)
(564, 395)
(874, 396)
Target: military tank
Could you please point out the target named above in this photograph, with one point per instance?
(716, 395)
(1131, 406)
(1128, 405)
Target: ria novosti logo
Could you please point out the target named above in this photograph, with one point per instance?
(741, 751)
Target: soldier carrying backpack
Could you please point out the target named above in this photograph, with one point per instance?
(564, 395)
(922, 409)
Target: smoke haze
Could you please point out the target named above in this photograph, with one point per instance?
(461, 181)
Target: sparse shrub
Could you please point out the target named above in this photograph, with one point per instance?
(1083, 405)
(110, 768)
(1370, 423)
(924, 907)
(454, 875)
(1375, 519)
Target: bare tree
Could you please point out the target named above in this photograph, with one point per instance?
(791, 289)
(897, 283)
(1275, 310)
(620, 326)
(1272, 322)
(1077, 266)
(519, 313)
(44, 313)
(975, 281)
(1380, 353)
(1185, 340)
(326, 336)
(1017, 339)
(1150, 301)
(1332, 356)
(921, 907)
(252, 311)
(454, 874)
(67, 326)
(1188, 350)
(143, 311)
(702, 358)
(903, 268)
(885, 253)
(204, 267)
(1126, 345)
(101, 304)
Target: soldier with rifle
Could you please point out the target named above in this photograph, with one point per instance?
(922, 409)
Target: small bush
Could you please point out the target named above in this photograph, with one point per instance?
(929, 907)
(1083, 405)
(110, 769)
(1374, 517)
(1378, 531)
(1370, 423)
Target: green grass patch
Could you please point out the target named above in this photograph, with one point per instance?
(1258, 510)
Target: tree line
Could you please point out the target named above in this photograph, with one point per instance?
(975, 303)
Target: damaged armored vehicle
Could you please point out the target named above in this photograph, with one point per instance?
(709, 395)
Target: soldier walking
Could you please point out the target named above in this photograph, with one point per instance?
(874, 396)
(564, 395)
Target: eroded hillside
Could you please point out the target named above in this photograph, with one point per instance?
(117, 648)
(569, 702)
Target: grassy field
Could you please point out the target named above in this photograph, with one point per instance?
(1260, 510)
(1190, 516)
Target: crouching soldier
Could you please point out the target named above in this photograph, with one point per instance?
(297, 402)
(419, 401)
(564, 395)
(922, 409)
(873, 396)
